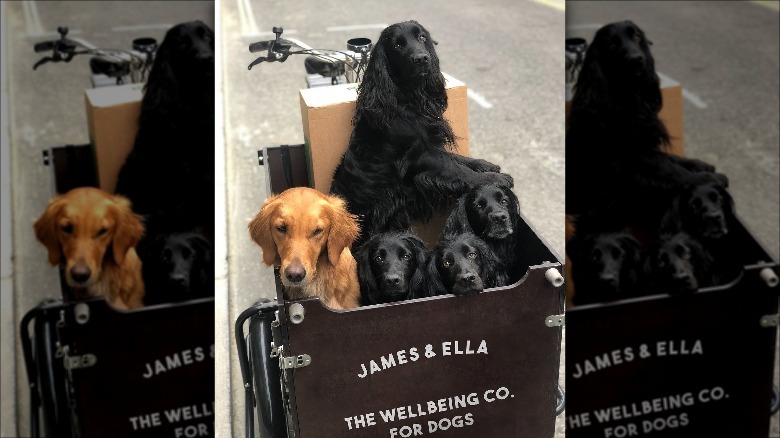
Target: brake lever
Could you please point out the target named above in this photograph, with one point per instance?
(256, 61)
(42, 61)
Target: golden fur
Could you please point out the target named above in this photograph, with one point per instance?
(93, 234)
(303, 228)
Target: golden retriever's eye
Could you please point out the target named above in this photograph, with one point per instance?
(282, 229)
(472, 255)
(423, 38)
(102, 231)
(447, 263)
(406, 257)
(378, 258)
(67, 229)
(316, 232)
(504, 201)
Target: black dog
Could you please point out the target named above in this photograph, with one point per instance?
(680, 264)
(169, 174)
(392, 267)
(615, 142)
(397, 166)
(463, 264)
(706, 211)
(605, 267)
(178, 267)
(491, 212)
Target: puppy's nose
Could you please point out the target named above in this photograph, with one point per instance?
(420, 58)
(468, 278)
(295, 272)
(80, 273)
(392, 280)
(179, 279)
(635, 58)
(682, 276)
(499, 218)
(713, 215)
(608, 279)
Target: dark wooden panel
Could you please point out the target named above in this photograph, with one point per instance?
(520, 365)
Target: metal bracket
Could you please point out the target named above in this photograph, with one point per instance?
(772, 320)
(555, 320)
(83, 361)
(299, 361)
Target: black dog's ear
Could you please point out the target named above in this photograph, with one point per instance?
(376, 101)
(702, 262)
(492, 274)
(368, 285)
(514, 206)
(458, 220)
(200, 245)
(418, 286)
(435, 285)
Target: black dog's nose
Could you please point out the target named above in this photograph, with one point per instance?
(608, 279)
(682, 276)
(499, 218)
(635, 58)
(80, 273)
(295, 273)
(420, 58)
(179, 279)
(392, 280)
(468, 278)
(713, 215)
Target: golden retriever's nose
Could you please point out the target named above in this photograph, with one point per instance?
(80, 273)
(295, 272)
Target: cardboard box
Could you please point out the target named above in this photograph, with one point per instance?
(112, 114)
(327, 125)
(671, 112)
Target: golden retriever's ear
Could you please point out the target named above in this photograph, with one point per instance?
(129, 229)
(344, 229)
(46, 230)
(260, 231)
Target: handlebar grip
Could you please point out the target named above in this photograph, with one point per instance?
(45, 46)
(317, 65)
(259, 46)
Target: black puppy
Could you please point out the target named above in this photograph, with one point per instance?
(605, 267)
(169, 174)
(616, 144)
(706, 211)
(397, 166)
(178, 267)
(463, 264)
(491, 212)
(680, 264)
(391, 267)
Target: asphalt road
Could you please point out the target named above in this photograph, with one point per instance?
(46, 108)
(509, 52)
(726, 57)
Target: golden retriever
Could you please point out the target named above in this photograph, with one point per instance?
(93, 235)
(308, 234)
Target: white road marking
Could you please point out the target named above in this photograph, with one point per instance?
(31, 19)
(141, 27)
(247, 16)
(687, 94)
(555, 4)
(478, 98)
(379, 26)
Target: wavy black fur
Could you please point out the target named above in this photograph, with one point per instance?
(398, 167)
(169, 175)
(615, 142)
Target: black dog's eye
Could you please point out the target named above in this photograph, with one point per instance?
(186, 253)
(102, 231)
(713, 197)
(472, 255)
(481, 205)
(282, 229)
(67, 229)
(378, 258)
(406, 257)
(636, 38)
(596, 256)
(696, 203)
(617, 254)
(661, 263)
(446, 263)
(166, 255)
(422, 38)
(316, 232)
(685, 255)
(504, 201)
